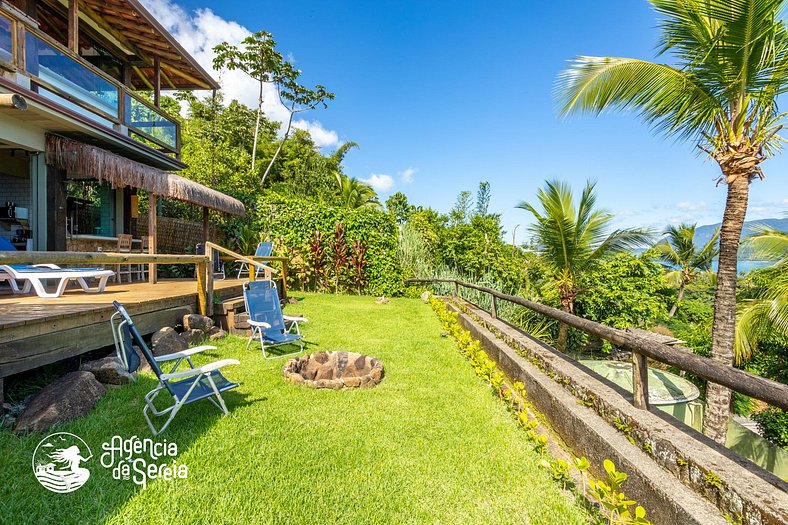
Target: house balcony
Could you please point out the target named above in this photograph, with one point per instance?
(62, 77)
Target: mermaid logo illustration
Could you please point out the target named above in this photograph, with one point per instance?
(57, 462)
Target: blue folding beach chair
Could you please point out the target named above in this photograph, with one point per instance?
(187, 386)
(266, 319)
(264, 249)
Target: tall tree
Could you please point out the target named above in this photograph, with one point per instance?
(730, 64)
(678, 250)
(483, 199)
(461, 212)
(572, 238)
(257, 57)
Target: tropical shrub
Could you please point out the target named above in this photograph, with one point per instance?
(773, 424)
(309, 232)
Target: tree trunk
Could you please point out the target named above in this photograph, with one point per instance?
(718, 398)
(257, 124)
(568, 306)
(678, 300)
(282, 143)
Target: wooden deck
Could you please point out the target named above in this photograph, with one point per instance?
(36, 331)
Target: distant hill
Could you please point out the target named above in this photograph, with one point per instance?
(704, 233)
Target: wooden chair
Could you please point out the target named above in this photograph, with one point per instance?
(145, 268)
(124, 246)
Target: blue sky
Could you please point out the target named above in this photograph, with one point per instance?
(453, 93)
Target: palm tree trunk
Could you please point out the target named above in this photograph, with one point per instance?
(718, 398)
(678, 300)
(568, 306)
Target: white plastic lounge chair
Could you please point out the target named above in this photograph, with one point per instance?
(35, 275)
(187, 386)
(266, 319)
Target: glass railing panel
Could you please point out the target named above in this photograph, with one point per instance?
(149, 121)
(6, 39)
(64, 74)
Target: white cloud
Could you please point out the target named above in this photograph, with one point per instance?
(199, 32)
(407, 175)
(380, 181)
(691, 206)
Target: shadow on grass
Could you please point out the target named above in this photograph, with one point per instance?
(119, 413)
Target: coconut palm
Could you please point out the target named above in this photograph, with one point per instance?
(572, 237)
(769, 312)
(678, 250)
(354, 193)
(730, 64)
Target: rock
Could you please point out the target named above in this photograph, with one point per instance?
(216, 333)
(197, 322)
(167, 341)
(193, 337)
(335, 370)
(381, 300)
(69, 397)
(291, 300)
(144, 365)
(426, 296)
(109, 371)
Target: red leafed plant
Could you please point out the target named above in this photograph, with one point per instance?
(358, 252)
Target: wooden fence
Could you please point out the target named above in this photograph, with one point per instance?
(771, 392)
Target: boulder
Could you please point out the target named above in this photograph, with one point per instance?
(197, 322)
(193, 337)
(216, 333)
(144, 365)
(69, 397)
(426, 296)
(167, 341)
(381, 300)
(109, 371)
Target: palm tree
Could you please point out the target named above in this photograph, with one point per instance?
(354, 193)
(769, 312)
(678, 250)
(572, 238)
(731, 63)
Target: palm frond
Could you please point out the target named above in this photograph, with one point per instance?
(670, 99)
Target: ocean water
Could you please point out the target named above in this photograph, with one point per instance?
(746, 266)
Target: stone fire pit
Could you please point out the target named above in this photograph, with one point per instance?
(334, 370)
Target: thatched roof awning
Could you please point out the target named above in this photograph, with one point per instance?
(82, 161)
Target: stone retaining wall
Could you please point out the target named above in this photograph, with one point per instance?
(677, 474)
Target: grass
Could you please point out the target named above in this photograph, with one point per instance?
(430, 444)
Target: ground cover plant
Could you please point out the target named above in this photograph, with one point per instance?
(431, 444)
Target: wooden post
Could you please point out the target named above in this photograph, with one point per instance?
(284, 279)
(202, 289)
(640, 380)
(209, 281)
(494, 307)
(152, 230)
(2, 399)
(73, 26)
(456, 289)
(156, 82)
(205, 226)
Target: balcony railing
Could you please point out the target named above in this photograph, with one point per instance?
(61, 76)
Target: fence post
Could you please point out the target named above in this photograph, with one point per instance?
(284, 279)
(209, 266)
(202, 292)
(456, 289)
(640, 380)
(494, 307)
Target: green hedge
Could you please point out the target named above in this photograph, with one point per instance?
(294, 222)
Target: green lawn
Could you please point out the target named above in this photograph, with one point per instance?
(430, 444)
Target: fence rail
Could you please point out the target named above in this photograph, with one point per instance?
(771, 392)
(202, 262)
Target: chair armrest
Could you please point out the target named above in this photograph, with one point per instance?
(261, 324)
(295, 318)
(50, 266)
(185, 353)
(205, 369)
